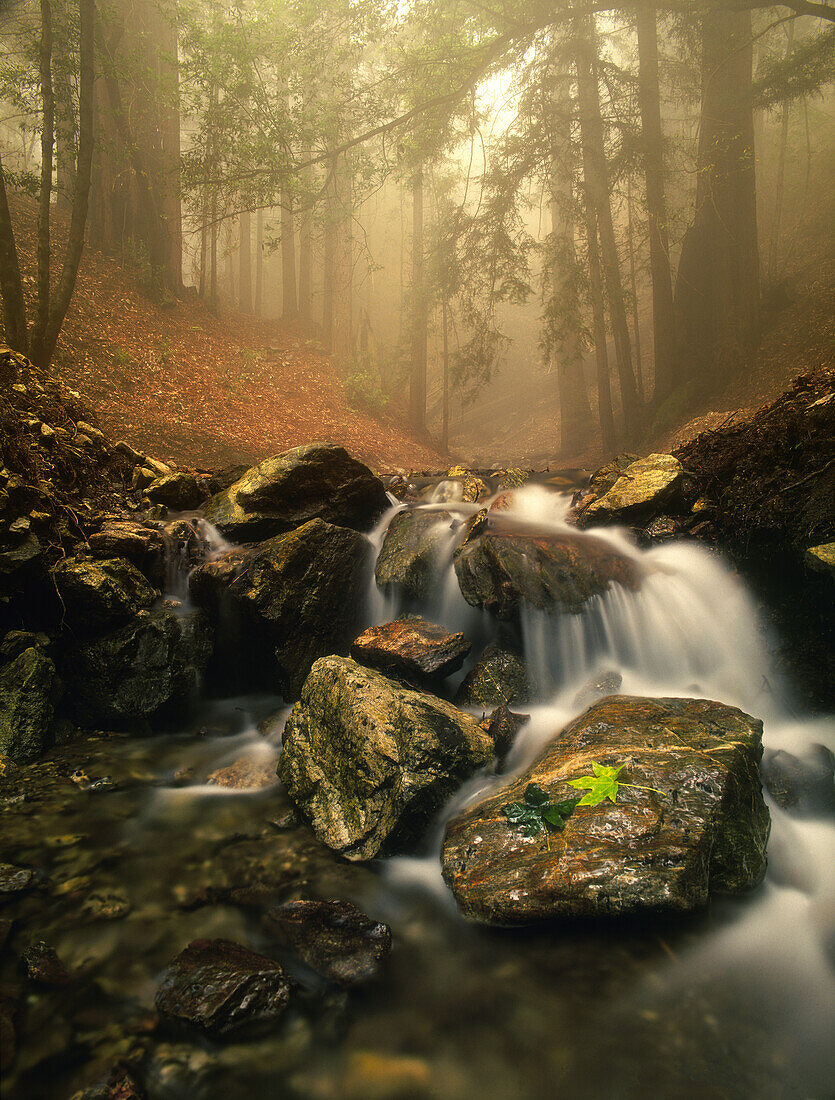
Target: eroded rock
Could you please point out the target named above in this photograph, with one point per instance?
(368, 761)
(691, 821)
(414, 647)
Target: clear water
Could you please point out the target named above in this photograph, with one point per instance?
(737, 1001)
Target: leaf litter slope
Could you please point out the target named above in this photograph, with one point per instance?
(208, 391)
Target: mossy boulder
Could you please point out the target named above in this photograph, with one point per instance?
(149, 665)
(29, 690)
(142, 544)
(552, 573)
(285, 602)
(688, 819)
(644, 487)
(179, 491)
(99, 595)
(499, 676)
(319, 481)
(409, 561)
(368, 762)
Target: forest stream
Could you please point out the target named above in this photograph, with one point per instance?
(140, 851)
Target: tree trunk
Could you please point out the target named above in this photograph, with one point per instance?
(289, 298)
(245, 260)
(563, 327)
(417, 379)
(781, 173)
(343, 266)
(47, 146)
(259, 264)
(66, 128)
(11, 287)
(596, 179)
(601, 350)
(718, 289)
(663, 318)
(633, 281)
(305, 259)
(445, 414)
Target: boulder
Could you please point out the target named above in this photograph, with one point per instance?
(368, 761)
(287, 601)
(803, 784)
(223, 990)
(499, 676)
(142, 545)
(152, 662)
(409, 559)
(644, 486)
(688, 818)
(16, 642)
(552, 573)
(180, 492)
(821, 558)
(320, 481)
(99, 595)
(414, 647)
(334, 938)
(29, 690)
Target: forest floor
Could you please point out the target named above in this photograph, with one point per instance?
(205, 390)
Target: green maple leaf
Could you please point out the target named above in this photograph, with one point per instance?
(601, 785)
(537, 813)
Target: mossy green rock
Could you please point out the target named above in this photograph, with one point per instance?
(99, 595)
(643, 487)
(498, 677)
(410, 558)
(29, 689)
(295, 597)
(369, 762)
(317, 481)
(693, 820)
(151, 663)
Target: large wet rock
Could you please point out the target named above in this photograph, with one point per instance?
(499, 676)
(287, 601)
(415, 648)
(368, 762)
(644, 487)
(320, 481)
(29, 690)
(179, 491)
(410, 558)
(99, 595)
(702, 828)
(551, 573)
(334, 938)
(223, 989)
(141, 544)
(149, 665)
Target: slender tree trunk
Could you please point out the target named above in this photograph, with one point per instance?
(596, 178)
(718, 289)
(204, 239)
(781, 173)
(417, 381)
(66, 128)
(11, 286)
(663, 317)
(259, 264)
(343, 266)
(445, 414)
(601, 350)
(213, 228)
(245, 258)
(305, 259)
(636, 323)
(328, 254)
(289, 298)
(47, 147)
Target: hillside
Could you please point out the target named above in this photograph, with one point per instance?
(201, 389)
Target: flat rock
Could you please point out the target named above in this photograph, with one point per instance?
(692, 821)
(644, 486)
(100, 595)
(410, 558)
(368, 761)
(334, 938)
(499, 676)
(821, 558)
(244, 774)
(287, 601)
(414, 647)
(553, 573)
(223, 989)
(319, 481)
(142, 545)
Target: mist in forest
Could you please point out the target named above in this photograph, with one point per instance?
(540, 233)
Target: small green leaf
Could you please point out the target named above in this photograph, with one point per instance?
(516, 812)
(535, 796)
(601, 785)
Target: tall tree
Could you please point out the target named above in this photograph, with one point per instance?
(245, 263)
(420, 313)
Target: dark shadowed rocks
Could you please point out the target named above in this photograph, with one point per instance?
(551, 573)
(179, 491)
(29, 691)
(287, 601)
(320, 481)
(412, 647)
(43, 966)
(499, 676)
(410, 558)
(688, 819)
(334, 938)
(804, 784)
(141, 544)
(223, 989)
(502, 727)
(100, 595)
(368, 761)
